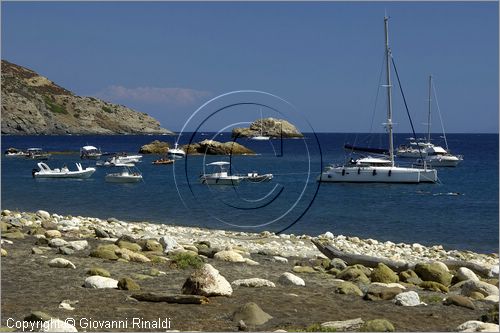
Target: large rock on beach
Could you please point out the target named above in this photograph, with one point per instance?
(155, 147)
(409, 298)
(378, 292)
(343, 325)
(477, 326)
(43, 214)
(253, 282)
(129, 246)
(212, 147)
(231, 256)
(151, 245)
(127, 283)
(484, 288)
(57, 242)
(289, 279)
(13, 234)
(382, 273)
(459, 300)
(433, 272)
(251, 314)
(346, 288)
(168, 243)
(61, 263)
(98, 271)
(272, 127)
(354, 274)
(377, 325)
(78, 245)
(131, 255)
(100, 282)
(434, 286)
(207, 281)
(463, 274)
(107, 251)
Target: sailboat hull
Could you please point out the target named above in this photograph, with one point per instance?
(370, 175)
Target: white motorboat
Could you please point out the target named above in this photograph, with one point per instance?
(126, 176)
(415, 149)
(44, 171)
(90, 152)
(260, 137)
(125, 158)
(37, 154)
(114, 161)
(13, 152)
(439, 157)
(379, 170)
(221, 177)
(254, 177)
(176, 152)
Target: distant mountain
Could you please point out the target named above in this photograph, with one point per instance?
(32, 104)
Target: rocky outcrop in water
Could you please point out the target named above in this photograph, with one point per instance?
(32, 104)
(155, 147)
(212, 147)
(271, 127)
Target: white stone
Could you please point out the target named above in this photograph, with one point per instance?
(207, 281)
(43, 214)
(168, 243)
(67, 305)
(289, 279)
(463, 273)
(344, 325)
(6, 212)
(371, 241)
(230, 256)
(491, 298)
(52, 234)
(328, 235)
(477, 326)
(78, 245)
(100, 282)
(61, 263)
(57, 325)
(253, 282)
(494, 271)
(482, 287)
(57, 242)
(280, 259)
(389, 285)
(409, 298)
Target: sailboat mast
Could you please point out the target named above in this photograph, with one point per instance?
(429, 115)
(389, 90)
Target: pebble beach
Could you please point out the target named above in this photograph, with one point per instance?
(57, 267)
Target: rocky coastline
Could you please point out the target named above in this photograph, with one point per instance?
(57, 267)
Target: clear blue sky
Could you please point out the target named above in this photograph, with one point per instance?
(168, 58)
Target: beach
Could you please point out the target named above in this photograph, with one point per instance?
(104, 274)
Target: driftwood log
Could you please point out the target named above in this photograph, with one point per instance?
(171, 298)
(398, 266)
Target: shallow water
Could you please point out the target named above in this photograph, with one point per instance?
(292, 201)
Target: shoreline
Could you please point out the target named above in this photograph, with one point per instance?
(55, 268)
(286, 245)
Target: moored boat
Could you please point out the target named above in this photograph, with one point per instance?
(90, 152)
(126, 176)
(220, 176)
(37, 154)
(44, 171)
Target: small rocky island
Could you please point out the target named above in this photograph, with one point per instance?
(32, 104)
(212, 147)
(155, 147)
(271, 127)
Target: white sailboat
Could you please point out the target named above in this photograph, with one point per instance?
(261, 137)
(379, 170)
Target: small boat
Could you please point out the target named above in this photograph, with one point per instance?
(125, 158)
(13, 152)
(260, 137)
(114, 161)
(176, 152)
(37, 154)
(163, 161)
(44, 171)
(439, 157)
(90, 152)
(221, 176)
(126, 176)
(254, 177)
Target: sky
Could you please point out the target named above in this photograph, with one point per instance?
(169, 58)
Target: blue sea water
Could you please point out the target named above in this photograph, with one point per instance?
(460, 213)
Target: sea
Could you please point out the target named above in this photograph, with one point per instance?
(460, 212)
